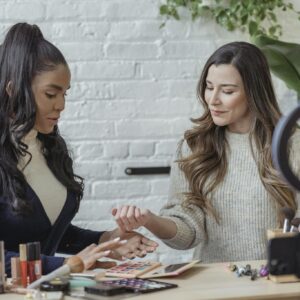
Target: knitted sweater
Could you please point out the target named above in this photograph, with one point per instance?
(243, 204)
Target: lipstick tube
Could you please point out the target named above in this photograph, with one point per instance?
(31, 262)
(37, 260)
(2, 268)
(15, 271)
(23, 264)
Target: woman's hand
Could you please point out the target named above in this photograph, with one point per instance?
(137, 245)
(93, 252)
(129, 217)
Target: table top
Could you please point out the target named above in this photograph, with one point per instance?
(212, 281)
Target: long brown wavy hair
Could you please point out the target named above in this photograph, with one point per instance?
(206, 166)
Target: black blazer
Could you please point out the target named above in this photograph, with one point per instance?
(62, 236)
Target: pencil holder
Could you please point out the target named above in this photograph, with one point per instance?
(278, 233)
(282, 248)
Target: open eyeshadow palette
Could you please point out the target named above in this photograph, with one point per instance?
(138, 285)
(148, 269)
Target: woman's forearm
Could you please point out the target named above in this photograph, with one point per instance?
(109, 235)
(161, 227)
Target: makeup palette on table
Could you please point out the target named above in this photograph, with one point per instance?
(148, 269)
(135, 285)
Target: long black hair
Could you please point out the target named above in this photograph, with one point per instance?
(24, 54)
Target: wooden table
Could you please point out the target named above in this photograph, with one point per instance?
(213, 281)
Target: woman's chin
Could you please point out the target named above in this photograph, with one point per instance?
(45, 130)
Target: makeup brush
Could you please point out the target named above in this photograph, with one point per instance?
(73, 265)
(295, 225)
(289, 214)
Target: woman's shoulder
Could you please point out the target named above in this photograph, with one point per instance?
(183, 149)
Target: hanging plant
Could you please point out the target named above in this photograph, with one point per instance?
(259, 18)
(254, 16)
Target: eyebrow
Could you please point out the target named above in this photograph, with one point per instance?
(224, 84)
(57, 87)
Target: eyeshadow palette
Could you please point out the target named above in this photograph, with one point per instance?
(148, 269)
(132, 269)
(138, 285)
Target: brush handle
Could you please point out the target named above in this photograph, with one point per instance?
(63, 270)
(286, 225)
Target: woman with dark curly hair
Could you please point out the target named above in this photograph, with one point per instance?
(39, 192)
(225, 192)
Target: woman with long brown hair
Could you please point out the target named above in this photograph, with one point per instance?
(224, 190)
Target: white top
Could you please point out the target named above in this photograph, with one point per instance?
(241, 201)
(49, 190)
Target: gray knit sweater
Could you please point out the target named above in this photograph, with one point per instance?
(241, 201)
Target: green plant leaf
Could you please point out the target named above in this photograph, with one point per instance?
(252, 28)
(283, 59)
(163, 10)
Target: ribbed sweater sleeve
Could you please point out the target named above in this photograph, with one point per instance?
(189, 220)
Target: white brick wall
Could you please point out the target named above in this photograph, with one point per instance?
(133, 91)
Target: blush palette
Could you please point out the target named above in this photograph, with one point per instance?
(132, 269)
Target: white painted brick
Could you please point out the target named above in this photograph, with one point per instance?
(80, 31)
(188, 49)
(3, 26)
(104, 70)
(183, 89)
(141, 90)
(121, 189)
(75, 109)
(90, 151)
(130, 9)
(166, 148)
(180, 125)
(100, 110)
(169, 69)
(143, 149)
(174, 30)
(91, 209)
(79, 51)
(115, 150)
(142, 129)
(135, 31)
(26, 11)
(160, 187)
(2, 15)
(287, 98)
(91, 90)
(167, 108)
(66, 10)
(131, 50)
(93, 170)
(72, 130)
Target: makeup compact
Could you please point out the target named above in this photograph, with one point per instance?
(58, 284)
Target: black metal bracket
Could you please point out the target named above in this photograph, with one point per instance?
(147, 170)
